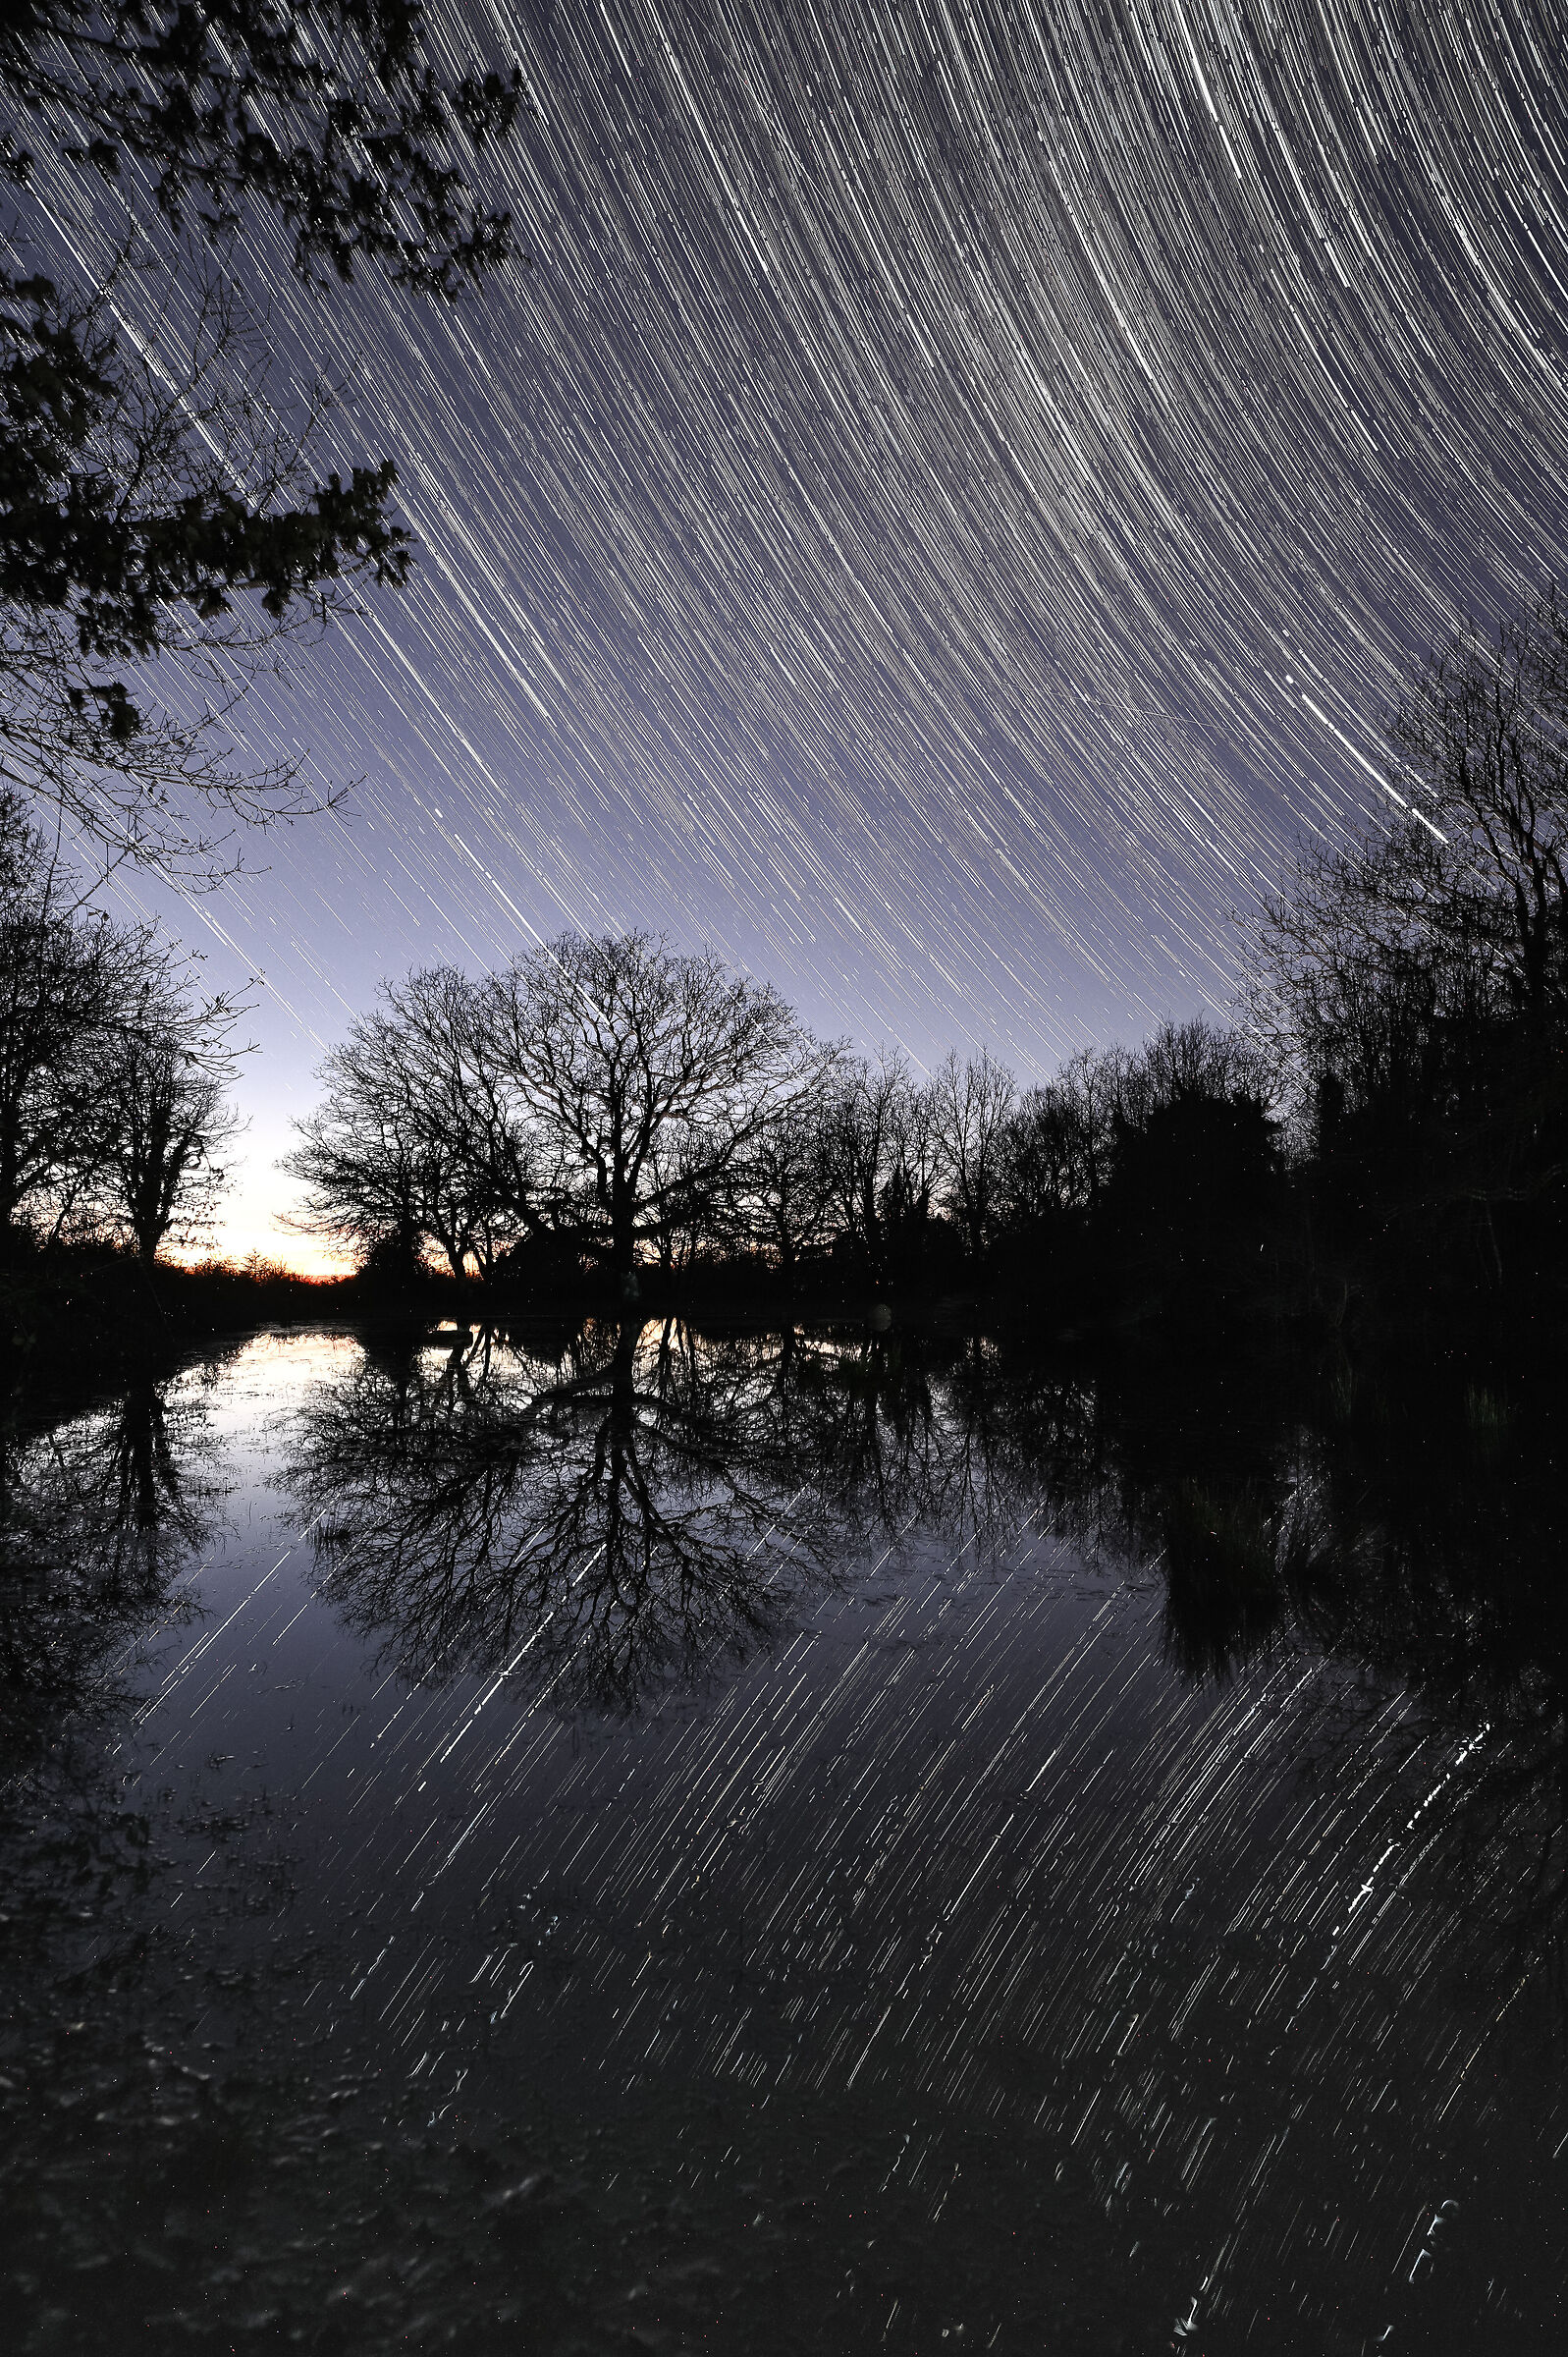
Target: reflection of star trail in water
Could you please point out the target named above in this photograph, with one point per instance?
(1253, 1951)
(484, 1760)
(949, 498)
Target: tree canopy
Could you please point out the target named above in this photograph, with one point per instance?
(600, 1091)
(115, 1065)
(341, 115)
(1411, 982)
(166, 523)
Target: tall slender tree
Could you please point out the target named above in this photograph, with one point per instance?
(60, 973)
(162, 1070)
(974, 1104)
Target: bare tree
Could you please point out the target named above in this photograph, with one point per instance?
(1410, 983)
(917, 1164)
(62, 975)
(358, 1155)
(644, 1076)
(411, 1144)
(783, 1187)
(1483, 738)
(973, 1106)
(861, 1120)
(476, 1160)
(1196, 1059)
(1096, 1082)
(114, 1067)
(1462, 900)
(1337, 983)
(1046, 1158)
(162, 1072)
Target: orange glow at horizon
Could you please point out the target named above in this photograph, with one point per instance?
(297, 1255)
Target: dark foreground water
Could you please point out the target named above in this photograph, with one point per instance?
(815, 1842)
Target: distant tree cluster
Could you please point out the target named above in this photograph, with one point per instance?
(605, 1103)
(115, 1068)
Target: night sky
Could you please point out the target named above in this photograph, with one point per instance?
(946, 505)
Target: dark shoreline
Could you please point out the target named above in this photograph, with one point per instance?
(69, 1321)
(74, 1330)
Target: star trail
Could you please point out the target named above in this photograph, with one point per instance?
(942, 500)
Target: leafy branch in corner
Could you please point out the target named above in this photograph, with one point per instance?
(162, 519)
(331, 114)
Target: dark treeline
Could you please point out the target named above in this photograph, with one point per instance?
(116, 1066)
(612, 1107)
(1384, 1121)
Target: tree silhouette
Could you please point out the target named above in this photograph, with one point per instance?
(100, 1509)
(340, 115)
(1412, 983)
(156, 505)
(415, 1141)
(646, 1076)
(974, 1105)
(158, 493)
(599, 1528)
(114, 1065)
(161, 1117)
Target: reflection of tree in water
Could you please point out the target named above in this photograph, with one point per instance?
(605, 1523)
(1438, 1559)
(621, 1513)
(1420, 1537)
(1188, 1469)
(98, 1513)
(899, 1434)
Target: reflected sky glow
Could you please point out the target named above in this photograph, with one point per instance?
(938, 1820)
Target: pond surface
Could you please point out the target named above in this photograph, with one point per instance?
(818, 1842)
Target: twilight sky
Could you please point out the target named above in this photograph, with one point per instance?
(947, 504)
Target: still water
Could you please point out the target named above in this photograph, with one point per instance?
(829, 1841)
